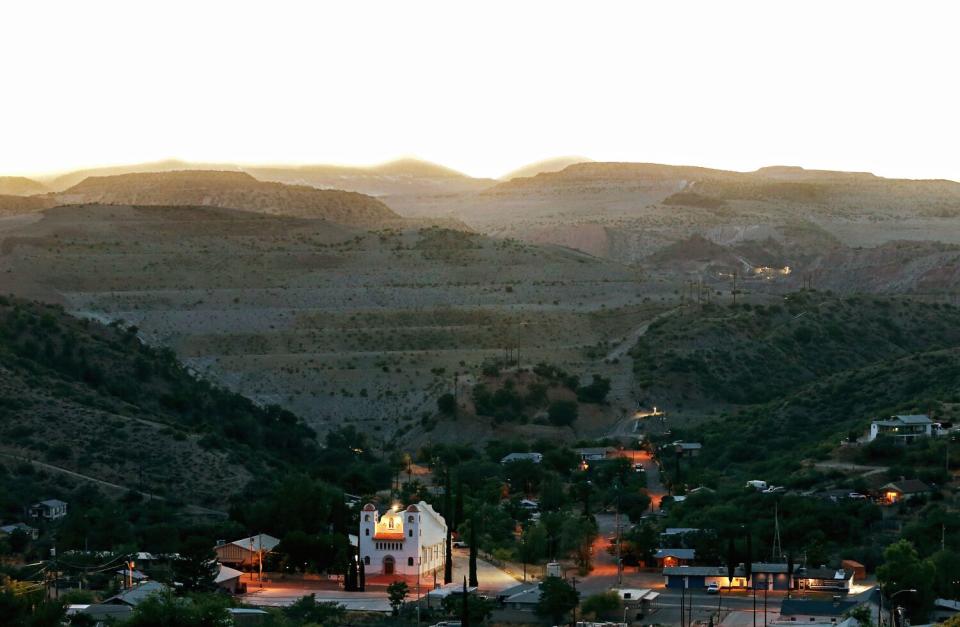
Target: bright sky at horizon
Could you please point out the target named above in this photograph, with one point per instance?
(482, 87)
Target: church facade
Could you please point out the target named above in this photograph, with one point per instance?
(404, 542)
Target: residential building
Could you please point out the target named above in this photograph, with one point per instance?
(770, 576)
(687, 449)
(944, 609)
(403, 542)
(595, 453)
(813, 611)
(524, 599)
(674, 557)
(135, 595)
(904, 429)
(51, 509)
(697, 577)
(246, 552)
(31, 532)
(228, 579)
(896, 491)
(826, 579)
(536, 458)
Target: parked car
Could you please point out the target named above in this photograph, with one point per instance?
(856, 495)
(459, 544)
(713, 588)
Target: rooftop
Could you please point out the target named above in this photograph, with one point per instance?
(259, 542)
(811, 607)
(682, 554)
(696, 571)
(907, 486)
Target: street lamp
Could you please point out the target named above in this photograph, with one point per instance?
(891, 597)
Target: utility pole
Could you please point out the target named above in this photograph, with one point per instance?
(619, 559)
(734, 287)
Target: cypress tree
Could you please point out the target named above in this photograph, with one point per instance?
(473, 553)
(448, 560)
(465, 609)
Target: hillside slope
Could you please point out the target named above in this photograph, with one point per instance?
(747, 355)
(20, 186)
(95, 400)
(403, 176)
(233, 190)
(334, 322)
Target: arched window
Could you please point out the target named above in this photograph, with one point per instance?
(410, 518)
(410, 533)
(366, 532)
(409, 561)
(366, 559)
(366, 517)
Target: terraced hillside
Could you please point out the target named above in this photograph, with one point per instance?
(822, 223)
(334, 322)
(93, 399)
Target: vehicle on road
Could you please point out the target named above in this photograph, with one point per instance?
(713, 588)
(459, 544)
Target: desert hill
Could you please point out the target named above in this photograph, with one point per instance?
(75, 394)
(335, 322)
(11, 205)
(814, 222)
(547, 165)
(402, 176)
(20, 186)
(236, 190)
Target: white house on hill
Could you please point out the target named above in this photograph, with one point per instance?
(402, 541)
(904, 429)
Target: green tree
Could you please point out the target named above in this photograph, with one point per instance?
(902, 569)
(447, 404)
(479, 609)
(557, 598)
(863, 615)
(306, 610)
(601, 605)
(562, 413)
(396, 593)
(197, 567)
(198, 610)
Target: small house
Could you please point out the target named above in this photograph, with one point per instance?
(687, 449)
(896, 491)
(8, 530)
(674, 557)
(135, 595)
(903, 429)
(51, 509)
(825, 579)
(246, 551)
(814, 611)
(595, 453)
(228, 579)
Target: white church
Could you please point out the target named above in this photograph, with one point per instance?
(405, 542)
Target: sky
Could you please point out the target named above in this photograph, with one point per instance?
(482, 87)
